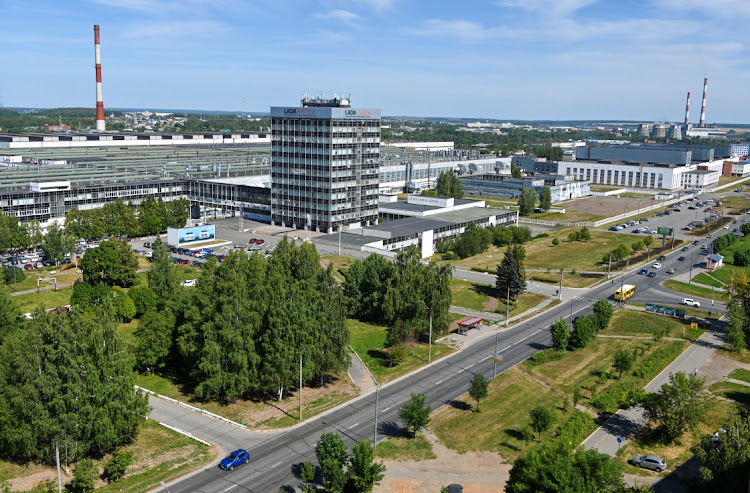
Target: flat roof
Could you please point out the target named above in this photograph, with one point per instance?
(405, 206)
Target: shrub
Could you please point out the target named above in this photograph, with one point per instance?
(619, 395)
(651, 365)
(115, 467)
(577, 427)
(541, 235)
(7, 275)
(396, 354)
(555, 242)
(545, 356)
(84, 476)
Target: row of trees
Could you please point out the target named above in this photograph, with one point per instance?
(622, 251)
(357, 473)
(65, 378)
(476, 240)
(404, 295)
(15, 235)
(245, 326)
(448, 185)
(584, 328)
(528, 198)
(118, 218)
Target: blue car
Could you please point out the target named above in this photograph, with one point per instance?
(643, 272)
(239, 456)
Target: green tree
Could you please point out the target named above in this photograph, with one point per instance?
(648, 241)
(545, 199)
(363, 472)
(725, 456)
(679, 404)
(307, 475)
(637, 246)
(117, 465)
(57, 243)
(526, 201)
(735, 329)
(555, 242)
(584, 234)
(13, 234)
(144, 298)
(745, 229)
(511, 275)
(91, 411)
(9, 314)
(515, 171)
(573, 236)
(448, 185)
(36, 235)
(541, 419)
(125, 308)
(332, 456)
(84, 476)
(577, 396)
(113, 262)
(162, 276)
(603, 312)
(560, 334)
(559, 466)
(478, 388)
(583, 332)
(415, 414)
(623, 361)
(154, 339)
(527, 434)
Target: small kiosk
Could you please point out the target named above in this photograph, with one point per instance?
(469, 323)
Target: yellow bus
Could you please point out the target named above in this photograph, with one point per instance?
(625, 292)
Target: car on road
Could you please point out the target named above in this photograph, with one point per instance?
(652, 232)
(189, 283)
(681, 259)
(687, 228)
(661, 257)
(649, 462)
(238, 245)
(651, 274)
(643, 272)
(696, 242)
(657, 265)
(671, 270)
(726, 227)
(239, 456)
(684, 249)
(690, 302)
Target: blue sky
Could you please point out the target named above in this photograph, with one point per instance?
(504, 59)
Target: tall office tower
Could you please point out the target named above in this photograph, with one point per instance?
(325, 159)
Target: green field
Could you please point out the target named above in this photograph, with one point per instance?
(515, 392)
(708, 280)
(160, 454)
(636, 323)
(727, 271)
(471, 295)
(32, 275)
(368, 341)
(405, 449)
(45, 299)
(734, 391)
(692, 290)
(741, 374)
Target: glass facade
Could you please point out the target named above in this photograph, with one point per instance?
(324, 169)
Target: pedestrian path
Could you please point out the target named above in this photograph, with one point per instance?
(626, 422)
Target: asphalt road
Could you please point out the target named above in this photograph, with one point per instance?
(273, 462)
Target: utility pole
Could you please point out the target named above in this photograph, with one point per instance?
(57, 460)
(609, 265)
(622, 284)
(300, 386)
(690, 275)
(494, 363)
(375, 433)
(339, 240)
(429, 345)
(559, 294)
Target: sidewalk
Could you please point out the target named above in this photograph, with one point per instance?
(626, 422)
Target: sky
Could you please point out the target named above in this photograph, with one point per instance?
(499, 59)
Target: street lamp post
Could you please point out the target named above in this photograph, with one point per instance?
(507, 307)
(690, 275)
(429, 344)
(375, 432)
(494, 362)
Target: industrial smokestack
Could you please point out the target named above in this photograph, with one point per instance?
(99, 101)
(703, 105)
(687, 109)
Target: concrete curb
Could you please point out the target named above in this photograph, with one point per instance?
(192, 408)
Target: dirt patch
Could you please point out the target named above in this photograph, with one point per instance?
(605, 205)
(491, 304)
(477, 472)
(26, 483)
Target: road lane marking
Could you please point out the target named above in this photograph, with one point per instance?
(352, 426)
(438, 383)
(483, 359)
(506, 348)
(471, 365)
(535, 333)
(230, 487)
(278, 463)
(384, 410)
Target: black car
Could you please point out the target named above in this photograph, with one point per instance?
(680, 258)
(651, 274)
(695, 242)
(661, 257)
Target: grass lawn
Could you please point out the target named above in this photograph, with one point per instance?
(368, 341)
(572, 216)
(257, 413)
(62, 276)
(159, 454)
(708, 280)
(405, 449)
(741, 374)
(45, 299)
(472, 295)
(569, 280)
(525, 301)
(723, 180)
(692, 290)
(515, 392)
(743, 357)
(340, 263)
(727, 271)
(493, 201)
(634, 323)
(734, 391)
(676, 453)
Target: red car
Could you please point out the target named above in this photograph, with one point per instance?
(184, 261)
(253, 240)
(28, 266)
(259, 242)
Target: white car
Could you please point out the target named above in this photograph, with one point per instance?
(690, 302)
(653, 232)
(657, 265)
(189, 283)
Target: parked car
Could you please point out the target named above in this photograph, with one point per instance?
(687, 228)
(657, 265)
(652, 232)
(184, 261)
(189, 283)
(690, 302)
(650, 462)
(681, 259)
(643, 272)
(696, 242)
(239, 456)
(238, 245)
(28, 266)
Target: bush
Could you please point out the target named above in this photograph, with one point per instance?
(144, 298)
(7, 275)
(651, 365)
(541, 235)
(555, 242)
(546, 355)
(115, 467)
(84, 476)
(125, 308)
(619, 395)
(577, 427)
(396, 354)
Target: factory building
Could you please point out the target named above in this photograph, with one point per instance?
(324, 165)
(504, 186)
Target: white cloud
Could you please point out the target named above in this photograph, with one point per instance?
(337, 15)
(377, 5)
(463, 30)
(548, 7)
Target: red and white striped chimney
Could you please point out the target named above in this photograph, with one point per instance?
(687, 109)
(99, 101)
(703, 106)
